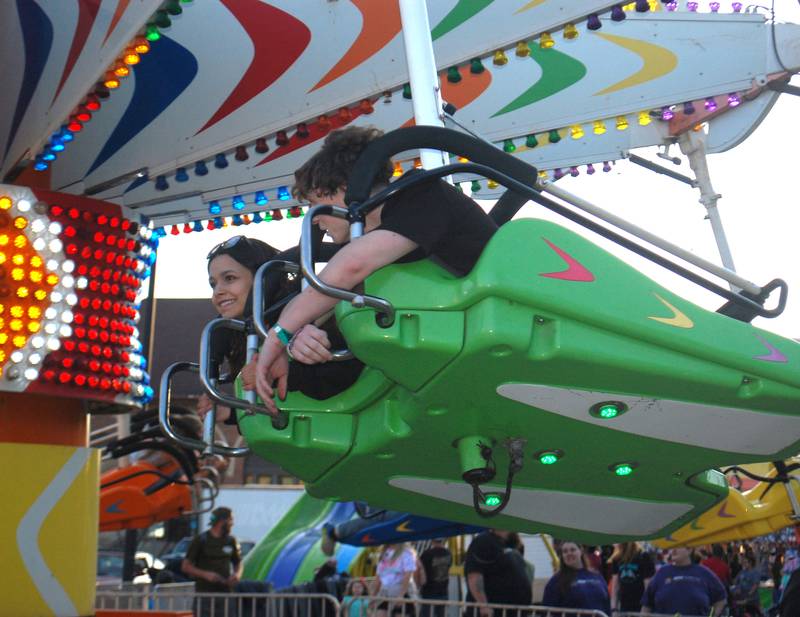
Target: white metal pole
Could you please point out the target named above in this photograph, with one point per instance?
(693, 146)
(426, 93)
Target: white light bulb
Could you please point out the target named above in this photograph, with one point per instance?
(53, 344)
(68, 281)
(54, 228)
(71, 299)
(68, 266)
(67, 316)
(82, 282)
(23, 205)
(55, 245)
(52, 264)
(56, 297)
(35, 358)
(31, 374)
(65, 331)
(17, 356)
(50, 312)
(37, 342)
(50, 327)
(37, 226)
(39, 244)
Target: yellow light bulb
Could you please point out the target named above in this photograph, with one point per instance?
(52, 279)
(570, 32)
(15, 325)
(36, 261)
(18, 259)
(19, 341)
(576, 131)
(644, 118)
(2, 356)
(18, 274)
(3, 338)
(2, 308)
(34, 312)
(17, 311)
(111, 81)
(543, 175)
(121, 70)
(35, 276)
(5, 203)
(140, 45)
(131, 57)
(492, 184)
(40, 294)
(622, 123)
(598, 127)
(33, 326)
(20, 222)
(499, 58)
(23, 292)
(398, 170)
(522, 50)
(2, 323)
(20, 242)
(463, 159)
(3, 257)
(3, 239)
(546, 41)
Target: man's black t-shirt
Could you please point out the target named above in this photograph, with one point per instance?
(447, 225)
(220, 555)
(436, 561)
(505, 578)
(631, 577)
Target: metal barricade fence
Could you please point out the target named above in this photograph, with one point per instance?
(222, 604)
(370, 606)
(319, 605)
(628, 614)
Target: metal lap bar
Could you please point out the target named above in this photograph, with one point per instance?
(165, 420)
(209, 370)
(534, 194)
(384, 308)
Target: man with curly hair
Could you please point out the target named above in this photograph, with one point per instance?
(430, 220)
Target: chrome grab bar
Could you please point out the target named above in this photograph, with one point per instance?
(208, 370)
(258, 303)
(384, 308)
(165, 420)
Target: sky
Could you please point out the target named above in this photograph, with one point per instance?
(759, 209)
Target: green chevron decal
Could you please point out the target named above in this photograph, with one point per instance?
(559, 71)
(461, 12)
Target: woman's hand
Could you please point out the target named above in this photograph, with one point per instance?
(272, 366)
(248, 374)
(204, 405)
(310, 345)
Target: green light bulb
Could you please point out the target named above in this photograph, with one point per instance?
(152, 33)
(492, 500)
(453, 76)
(608, 411)
(531, 141)
(508, 146)
(623, 469)
(476, 186)
(550, 457)
(553, 136)
(406, 91)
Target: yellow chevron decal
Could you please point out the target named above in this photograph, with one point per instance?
(529, 5)
(679, 319)
(404, 527)
(657, 62)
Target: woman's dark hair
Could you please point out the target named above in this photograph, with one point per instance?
(327, 171)
(567, 574)
(251, 254)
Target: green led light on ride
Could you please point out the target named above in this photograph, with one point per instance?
(492, 500)
(608, 410)
(623, 469)
(549, 457)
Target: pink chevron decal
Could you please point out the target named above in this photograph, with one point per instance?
(575, 271)
(315, 132)
(278, 41)
(774, 354)
(121, 8)
(87, 12)
(722, 513)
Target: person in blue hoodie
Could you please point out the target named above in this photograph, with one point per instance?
(684, 587)
(574, 585)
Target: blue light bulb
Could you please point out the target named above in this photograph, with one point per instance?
(261, 198)
(237, 220)
(214, 207)
(48, 155)
(161, 183)
(283, 194)
(56, 145)
(181, 175)
(220, 162)
(238, 202)
(200, 168)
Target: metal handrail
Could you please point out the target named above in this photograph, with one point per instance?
(259, 310)
(384, 308)
(165, 421)
(208, 371)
